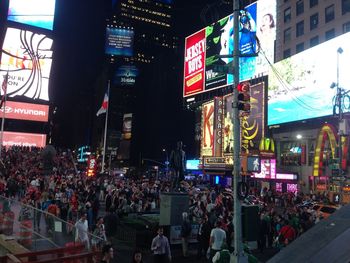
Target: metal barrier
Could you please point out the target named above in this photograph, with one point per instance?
(35, 229)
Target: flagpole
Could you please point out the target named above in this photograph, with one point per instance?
(3, 114)
(105, 133)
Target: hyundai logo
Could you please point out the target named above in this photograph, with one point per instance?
(7, 109)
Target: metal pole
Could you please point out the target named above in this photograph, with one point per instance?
(238, 253)
(3, 113)
(105, 133)
(340, 118)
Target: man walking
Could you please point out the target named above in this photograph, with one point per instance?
(161, 248)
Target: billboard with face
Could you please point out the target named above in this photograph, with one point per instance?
(207, 129)
(26, 111)
(299, 86)
(38, 13)
(119, 41)
(24, 139)
(27, 57)
(258, 19)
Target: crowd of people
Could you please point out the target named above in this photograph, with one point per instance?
(74, 197)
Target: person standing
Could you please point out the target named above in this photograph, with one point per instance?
(203, 236)
(82, 230)
(161, 248)
(217, 239)
(186, 229)
(107, 253)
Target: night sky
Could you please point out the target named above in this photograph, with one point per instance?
(77, 84)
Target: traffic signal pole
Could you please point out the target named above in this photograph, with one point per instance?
(236, 172)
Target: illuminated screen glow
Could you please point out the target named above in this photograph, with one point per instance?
(24, 139)
(26, 111)
(27, 57)
(202, 50)
(192, 164)
(299, 86)
(39, 13)
(268, 169)
(119, 41)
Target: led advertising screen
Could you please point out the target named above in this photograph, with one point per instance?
(192, 164)
(26, 111)
(258, 20)
(252, 126)
(119, 41)
(27, 57)
(194, 63)
(127, 126)
(299, 86)
(125, 75)
(207, 129)
(38, 13)
(24, 139)
(268, 169)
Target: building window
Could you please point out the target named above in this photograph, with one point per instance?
(299, 48)
(313, 21)
(314, 41)
(300, 7)
(329, 13)
(345, 6)
(330, 34)
(286, 53)
(346, 27)
(287, 15)
(300, 29)
(313, 3)
(287, 35)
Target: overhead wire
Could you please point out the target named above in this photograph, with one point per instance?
(282, 81)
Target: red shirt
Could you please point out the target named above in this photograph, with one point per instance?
(288, 232)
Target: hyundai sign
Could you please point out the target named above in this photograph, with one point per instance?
(26, 111)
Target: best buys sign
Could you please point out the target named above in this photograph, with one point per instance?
(194, 71)
(26, 111)
(24, 139)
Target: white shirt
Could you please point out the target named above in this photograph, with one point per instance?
(82, 231)
(219, 236)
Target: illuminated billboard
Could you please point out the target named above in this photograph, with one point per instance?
(204, 46)
(26, 111)
(252, 126)
(27, 57)
(119, 41)
(125, 75)
(38, 13)
(24, 139)
(299, 86)
(268, 169)
(207, 146)
(127, 126)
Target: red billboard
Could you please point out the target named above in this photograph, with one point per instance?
(194, 71)
(24, 139)
(26, 111)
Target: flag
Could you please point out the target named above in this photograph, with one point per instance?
(4, 89)
(104, 106)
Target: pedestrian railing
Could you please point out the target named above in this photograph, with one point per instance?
(25, 228)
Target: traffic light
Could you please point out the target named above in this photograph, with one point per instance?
(244, 98)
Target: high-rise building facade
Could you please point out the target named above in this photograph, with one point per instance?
(303, 24)
(143, 30)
